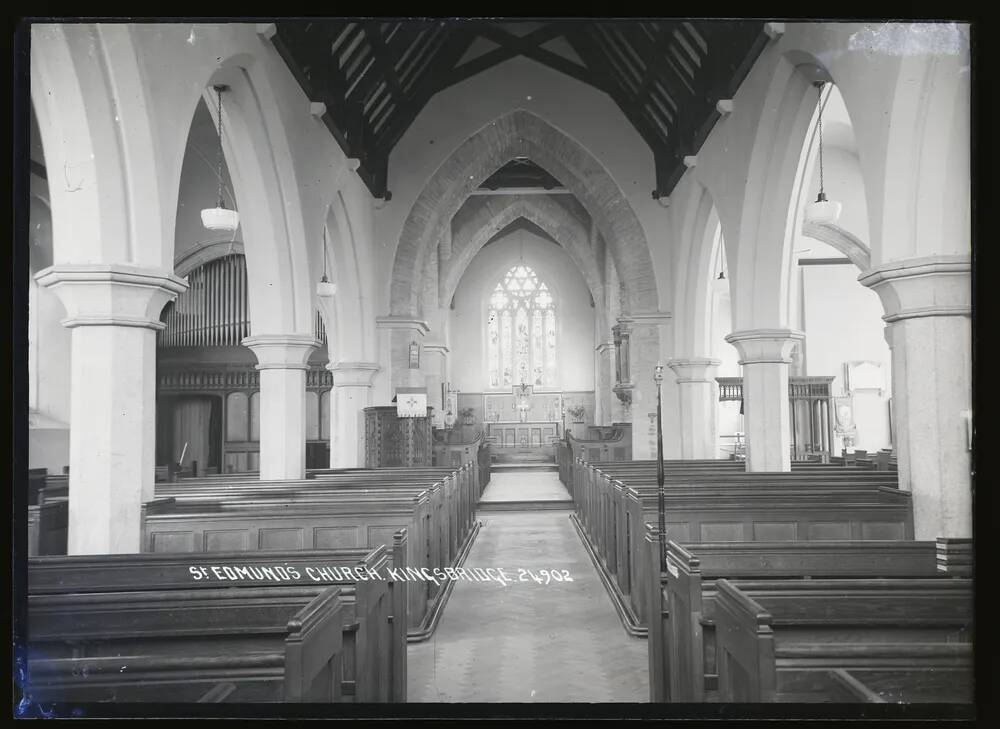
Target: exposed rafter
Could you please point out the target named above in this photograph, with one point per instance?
(376, 76)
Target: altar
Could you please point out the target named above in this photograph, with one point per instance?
(524, 436)
(524, 421)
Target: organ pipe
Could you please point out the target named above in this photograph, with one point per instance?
(214, 310)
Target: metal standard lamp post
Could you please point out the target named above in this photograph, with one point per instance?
(661, 494)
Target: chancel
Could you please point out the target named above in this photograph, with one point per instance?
(632, 358)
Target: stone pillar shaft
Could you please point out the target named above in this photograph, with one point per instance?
(282, 360)
(436, 372)
(765, 355)
(928, 316)
(397, 337)
(352, 393)
(698, 400)
(604, 396)
(113, 311)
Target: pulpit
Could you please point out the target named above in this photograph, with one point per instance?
(394, 441)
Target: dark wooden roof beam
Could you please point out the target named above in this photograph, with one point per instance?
(433, 81)
(377, 95)
(379, 121)
(677, 87)
(385, 68)
(695, 35)
(356, 35)
(694, 57)
(609, 47)
(655, 98)
(413, 45)
(428, 47)
(387, 31)
(359, 79)
(377, 112)
(626, 44)
(586, 47)
(478, 65)
(358, 58)
(530, 46)
(421, 62)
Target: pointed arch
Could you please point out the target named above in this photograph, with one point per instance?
(258, 154)
(547, 214)
(520, 133)
(843, 240)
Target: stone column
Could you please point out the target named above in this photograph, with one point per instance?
(928, 312)
(113, 311)
(604, 396)
(397, 336)
(765, 355)
(282, 360)
(647, 331)
(435, 366)
(351, 394)
(698, 404)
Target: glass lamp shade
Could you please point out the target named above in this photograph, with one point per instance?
(326, 288)
(220, 219)
(823, 211)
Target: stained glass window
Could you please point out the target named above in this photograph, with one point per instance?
(521, 331)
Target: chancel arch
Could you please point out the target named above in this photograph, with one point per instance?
(523, 135)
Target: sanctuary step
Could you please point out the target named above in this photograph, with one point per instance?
(525, 466)
(564, 504)
(541, 454)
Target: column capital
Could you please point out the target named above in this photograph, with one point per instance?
(419, 326)
(102, 294)
(919, 287)
(646, 317)
(694, 369)
(436, 348)
(281, 351)
(353, 374)
(763, 346)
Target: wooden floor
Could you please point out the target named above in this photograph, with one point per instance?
(529, 642)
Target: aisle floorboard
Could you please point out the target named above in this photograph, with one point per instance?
(529, 642)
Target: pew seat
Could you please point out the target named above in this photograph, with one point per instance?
(896, 640)
(272, 644)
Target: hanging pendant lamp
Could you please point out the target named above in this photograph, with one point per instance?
(325, 287)
(822, 210)
(220, 218)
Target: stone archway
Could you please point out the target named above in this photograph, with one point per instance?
(521, 133)
(548, 215)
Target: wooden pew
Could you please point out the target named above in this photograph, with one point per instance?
(273, 644)
(708, 505)
(768, 515)
(451, 515)
(36, 482)
(900, 640)
(48, 527)
(374, 620)
(452, 518)
(682, 643)
(608, 507)
(327, 521)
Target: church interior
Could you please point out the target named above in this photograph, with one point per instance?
(512, 361)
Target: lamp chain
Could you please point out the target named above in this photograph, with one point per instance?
(819, 90)
(218, 92)
(324, 279)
